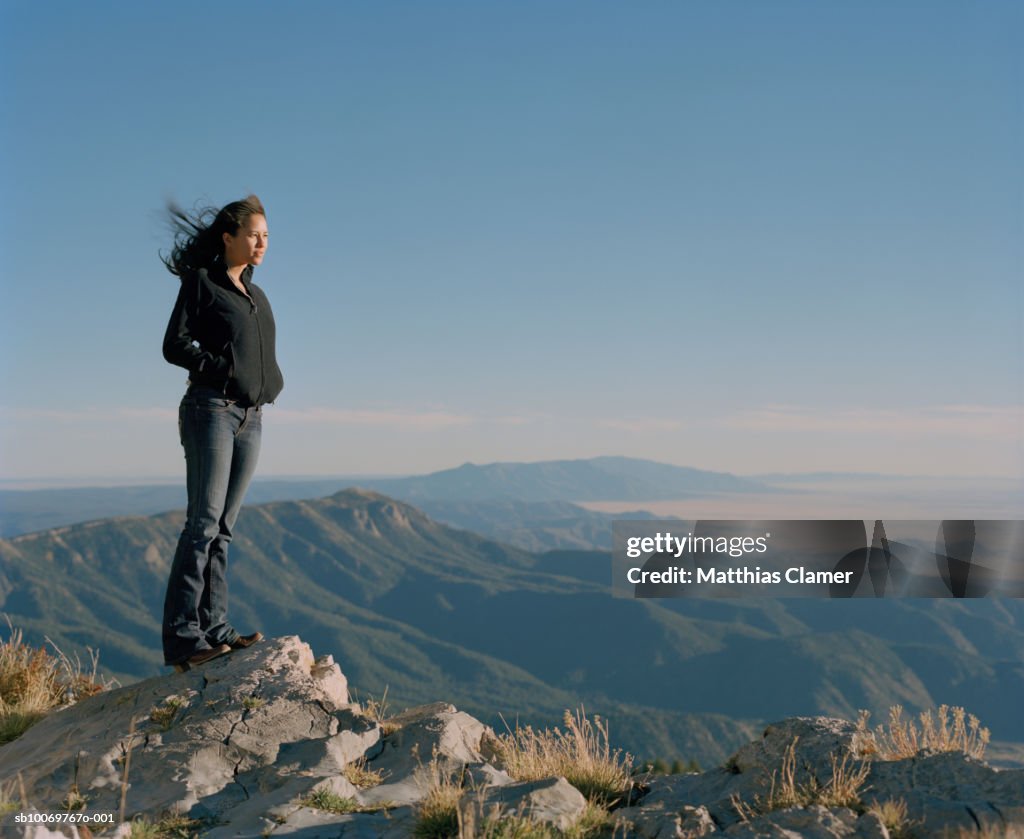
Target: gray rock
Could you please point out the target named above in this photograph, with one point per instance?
(551, 800)
(437, 733)
(245, 741)
(950, 790)
(227, 741)
(817, 739)
(942, 791)
(813, 822)
(658, 822)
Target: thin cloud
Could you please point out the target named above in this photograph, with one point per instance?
(399, 420)
(643, 425)
(426, 420)
(395, 420)
(88, 414)
(954, 420)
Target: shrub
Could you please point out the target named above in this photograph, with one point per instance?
(581, 754)
(324, 799)
(950, 730)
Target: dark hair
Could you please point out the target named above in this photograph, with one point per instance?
(198, 236)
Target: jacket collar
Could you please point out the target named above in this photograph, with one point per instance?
(220, 271)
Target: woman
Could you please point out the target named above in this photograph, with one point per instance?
(222, 332)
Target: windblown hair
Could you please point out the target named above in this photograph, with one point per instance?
(198, 236)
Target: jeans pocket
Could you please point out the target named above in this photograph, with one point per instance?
(212, 403)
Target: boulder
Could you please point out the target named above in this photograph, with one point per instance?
(551, 800)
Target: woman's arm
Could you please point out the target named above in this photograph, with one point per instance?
(181, 339)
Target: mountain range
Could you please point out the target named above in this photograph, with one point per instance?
(422, 609)
(468, 494)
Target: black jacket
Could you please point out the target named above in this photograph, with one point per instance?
(224, 339)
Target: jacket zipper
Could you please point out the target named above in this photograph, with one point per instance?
(259, 336)
(254, 312)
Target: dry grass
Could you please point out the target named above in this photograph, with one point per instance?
(893, 813)
(34, 681)
(437, 813)
(842, 789)
(450, 811)
(357, 774)
(9, 801)
(169, 827)
(481, 822)
(948, 730)
(377, 710)
(164, 715)
(580, 753)
(74, 800)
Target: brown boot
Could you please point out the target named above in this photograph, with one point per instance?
(201, 657)
(243, 641)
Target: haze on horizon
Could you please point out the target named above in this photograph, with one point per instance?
(741, 238)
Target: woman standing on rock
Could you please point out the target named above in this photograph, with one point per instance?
(222, 332)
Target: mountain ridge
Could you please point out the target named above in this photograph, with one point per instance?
(23, 511)
(497, 627)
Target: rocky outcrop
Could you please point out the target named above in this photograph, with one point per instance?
(265, 742)
(941, 792)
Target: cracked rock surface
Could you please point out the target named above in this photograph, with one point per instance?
(264, 742)
(200, 742)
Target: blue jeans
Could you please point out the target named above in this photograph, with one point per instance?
(222, 444)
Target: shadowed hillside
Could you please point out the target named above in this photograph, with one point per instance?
(427, 610)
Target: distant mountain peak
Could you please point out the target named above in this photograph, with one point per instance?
(372, 510)
(605, 478)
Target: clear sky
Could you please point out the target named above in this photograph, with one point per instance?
(740, 236)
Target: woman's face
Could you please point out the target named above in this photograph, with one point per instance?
(249, 244)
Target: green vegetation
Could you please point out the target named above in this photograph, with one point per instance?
(164, 715)
(253, 703)
(660, 766)
(355, 551)
(324, 799)
(168, 827)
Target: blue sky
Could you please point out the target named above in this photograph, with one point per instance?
(740, 236)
